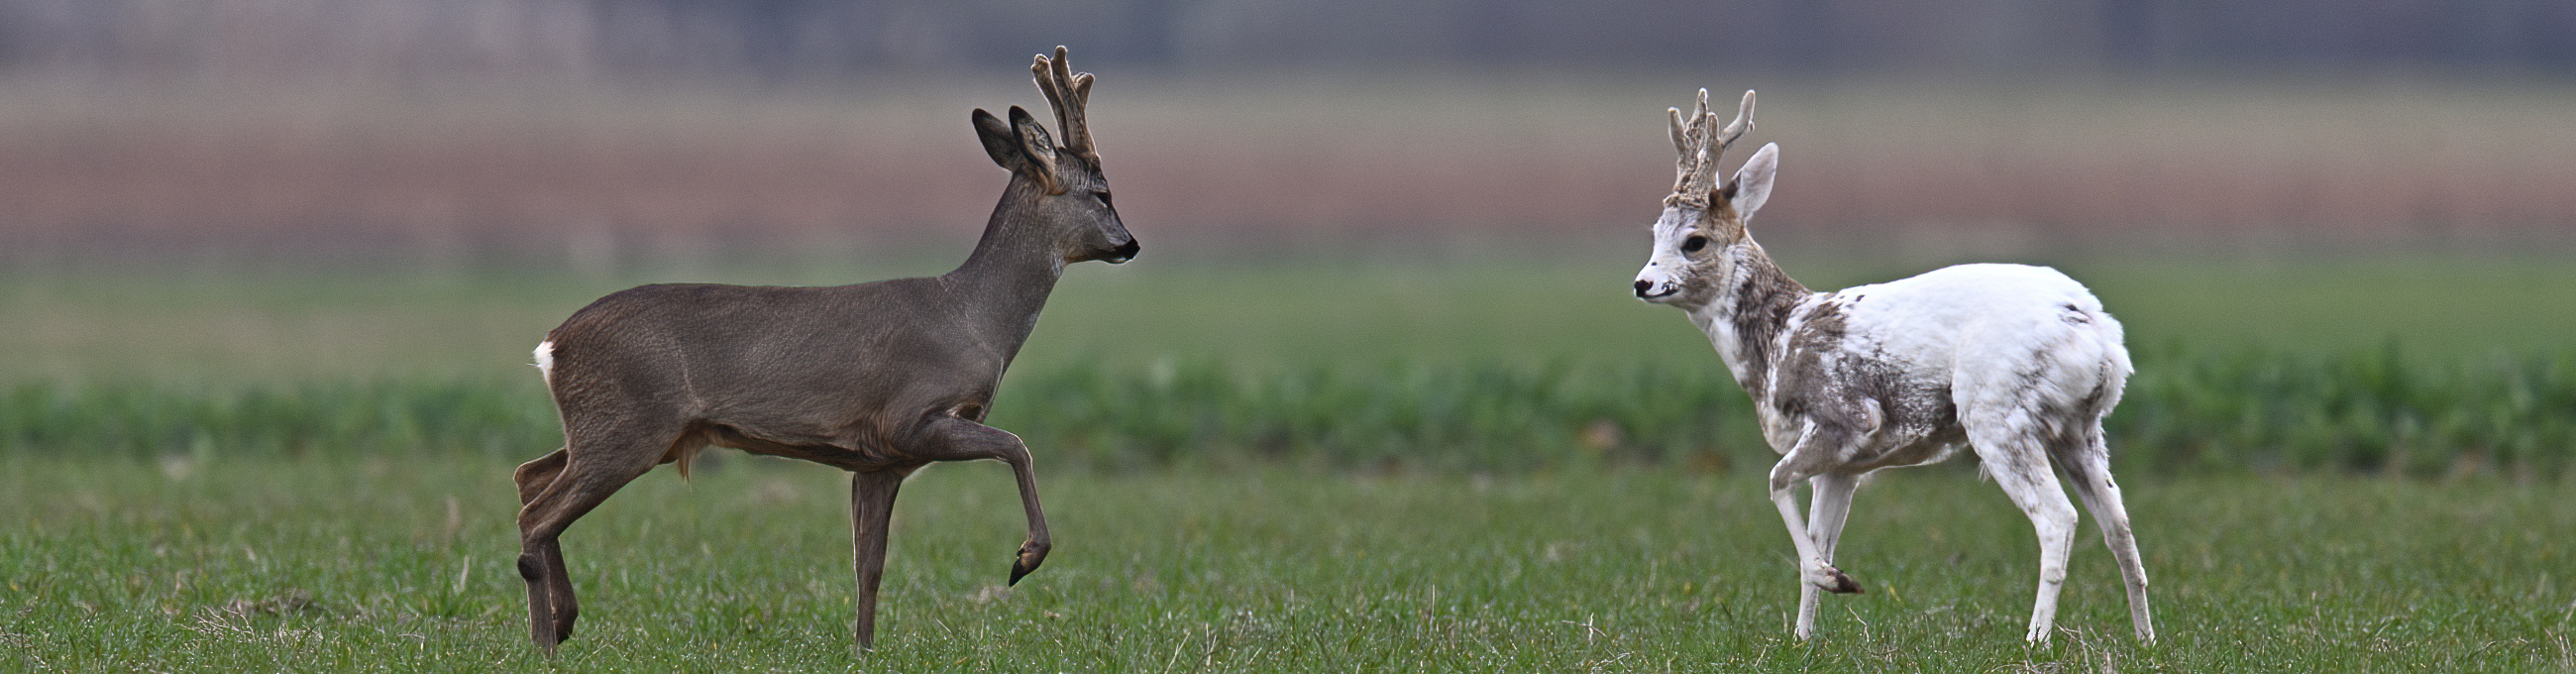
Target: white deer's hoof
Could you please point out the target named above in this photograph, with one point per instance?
(1832, 580)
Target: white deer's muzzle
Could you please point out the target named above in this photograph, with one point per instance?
(1654, 285)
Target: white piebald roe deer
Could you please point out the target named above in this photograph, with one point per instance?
(877, 378)
(2018, 362)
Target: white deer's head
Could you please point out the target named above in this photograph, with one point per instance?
(1702, 219)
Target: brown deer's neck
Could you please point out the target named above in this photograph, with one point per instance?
(1748, 316)
(1005, 282)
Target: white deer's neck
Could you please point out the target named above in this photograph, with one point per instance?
(1748, 317)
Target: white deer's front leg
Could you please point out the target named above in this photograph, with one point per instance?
(1809, 563)
(1807, 459)
(1830, 504)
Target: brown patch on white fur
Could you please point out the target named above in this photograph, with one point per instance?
(1764, 299)
(1723, 223)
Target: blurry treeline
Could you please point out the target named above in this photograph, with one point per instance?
(827, 38)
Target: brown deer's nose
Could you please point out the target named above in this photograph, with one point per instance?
(1126, 251)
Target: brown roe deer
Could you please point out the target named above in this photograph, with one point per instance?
(877, 379)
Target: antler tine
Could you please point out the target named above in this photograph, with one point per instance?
(1743, 120)
(1681, 141)
(1697, 166)
(1068, 93)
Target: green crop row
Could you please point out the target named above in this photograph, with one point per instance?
(2373, 411)
(2185, 412)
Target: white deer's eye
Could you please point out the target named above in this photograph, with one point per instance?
(1694, 243)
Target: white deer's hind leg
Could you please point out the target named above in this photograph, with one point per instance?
(2020, 465)
(2088, 469)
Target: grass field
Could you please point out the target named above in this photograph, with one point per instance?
(403, 564)
(243, 470)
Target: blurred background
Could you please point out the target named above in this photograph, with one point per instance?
(233, 194)
(588, 132)
(1376, 391)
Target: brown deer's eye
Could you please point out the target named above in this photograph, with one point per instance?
(1694, 243)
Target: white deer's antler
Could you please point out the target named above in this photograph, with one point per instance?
(1701, 144)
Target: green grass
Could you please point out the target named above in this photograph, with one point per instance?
(404, 564)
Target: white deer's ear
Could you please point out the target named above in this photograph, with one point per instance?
(1752, 184)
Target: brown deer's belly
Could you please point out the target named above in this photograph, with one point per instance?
(867, 457)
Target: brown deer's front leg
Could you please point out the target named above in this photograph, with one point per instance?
(871, 512)
(949, 438)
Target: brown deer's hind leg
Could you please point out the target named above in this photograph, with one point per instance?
(533, 478)
(594, 466)
(871, 513)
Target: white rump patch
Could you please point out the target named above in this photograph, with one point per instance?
(546, 360)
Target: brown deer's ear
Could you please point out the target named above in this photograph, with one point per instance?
(1037, 147)
(1020, 146)
(999, 143)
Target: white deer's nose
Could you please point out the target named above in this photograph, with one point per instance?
(1652, 286)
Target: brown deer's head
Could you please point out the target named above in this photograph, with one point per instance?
(1064, 189)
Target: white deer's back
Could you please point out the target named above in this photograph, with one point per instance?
(1983, 326)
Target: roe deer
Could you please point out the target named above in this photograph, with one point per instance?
(877, 378)
(2016, 361)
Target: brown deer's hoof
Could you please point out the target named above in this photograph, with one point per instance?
(1027, 561)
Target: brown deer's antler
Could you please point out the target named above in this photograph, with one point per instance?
(1701, 144)
(1068, 92)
